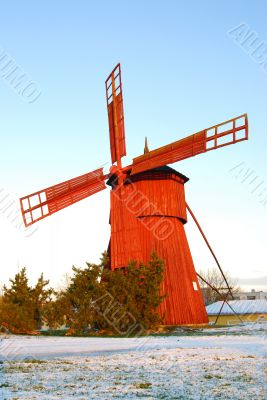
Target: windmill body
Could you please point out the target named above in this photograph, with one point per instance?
(148, 214)
(147, 204)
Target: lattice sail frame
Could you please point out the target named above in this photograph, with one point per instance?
(224, 134)
(115, 115)
(43, 203)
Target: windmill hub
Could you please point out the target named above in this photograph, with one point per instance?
(115, 170)
(148, 207)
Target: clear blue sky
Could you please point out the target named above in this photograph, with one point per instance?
(181, 73)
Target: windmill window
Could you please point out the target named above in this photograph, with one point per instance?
(110, 94)
(45, 210)
(34, 200)
(117, 81)
(240, 122)
(36, 214)
(25, 204)
(240, 134)
(28, 218)
(43, 197)
(211, 144)
(225, 139)
(225, 127)
(109, 82)
(195, 286)
(210, 132)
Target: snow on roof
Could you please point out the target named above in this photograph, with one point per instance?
(239, 306)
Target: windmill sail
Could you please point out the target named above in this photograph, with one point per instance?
(39, 205)
(229, 132)
(115, 115)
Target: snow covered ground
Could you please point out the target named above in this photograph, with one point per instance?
(220, 363)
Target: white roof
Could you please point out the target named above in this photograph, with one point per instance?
(239, 306)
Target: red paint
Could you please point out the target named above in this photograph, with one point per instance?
(148, 215)
(115, 115)
(148, 209)
(229, 132)
(45, 202)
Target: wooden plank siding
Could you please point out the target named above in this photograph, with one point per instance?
(148, 214)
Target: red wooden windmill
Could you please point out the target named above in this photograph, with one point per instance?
(148, 208)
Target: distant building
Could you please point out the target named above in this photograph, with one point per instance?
(253, 295)
(253, 310)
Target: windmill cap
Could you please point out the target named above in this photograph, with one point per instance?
(165, 168)
(113, 178)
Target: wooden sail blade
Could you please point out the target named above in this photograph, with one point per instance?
(229, 132)
(39, 205)
(115, 115)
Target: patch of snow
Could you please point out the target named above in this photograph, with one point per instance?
(225, 365)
